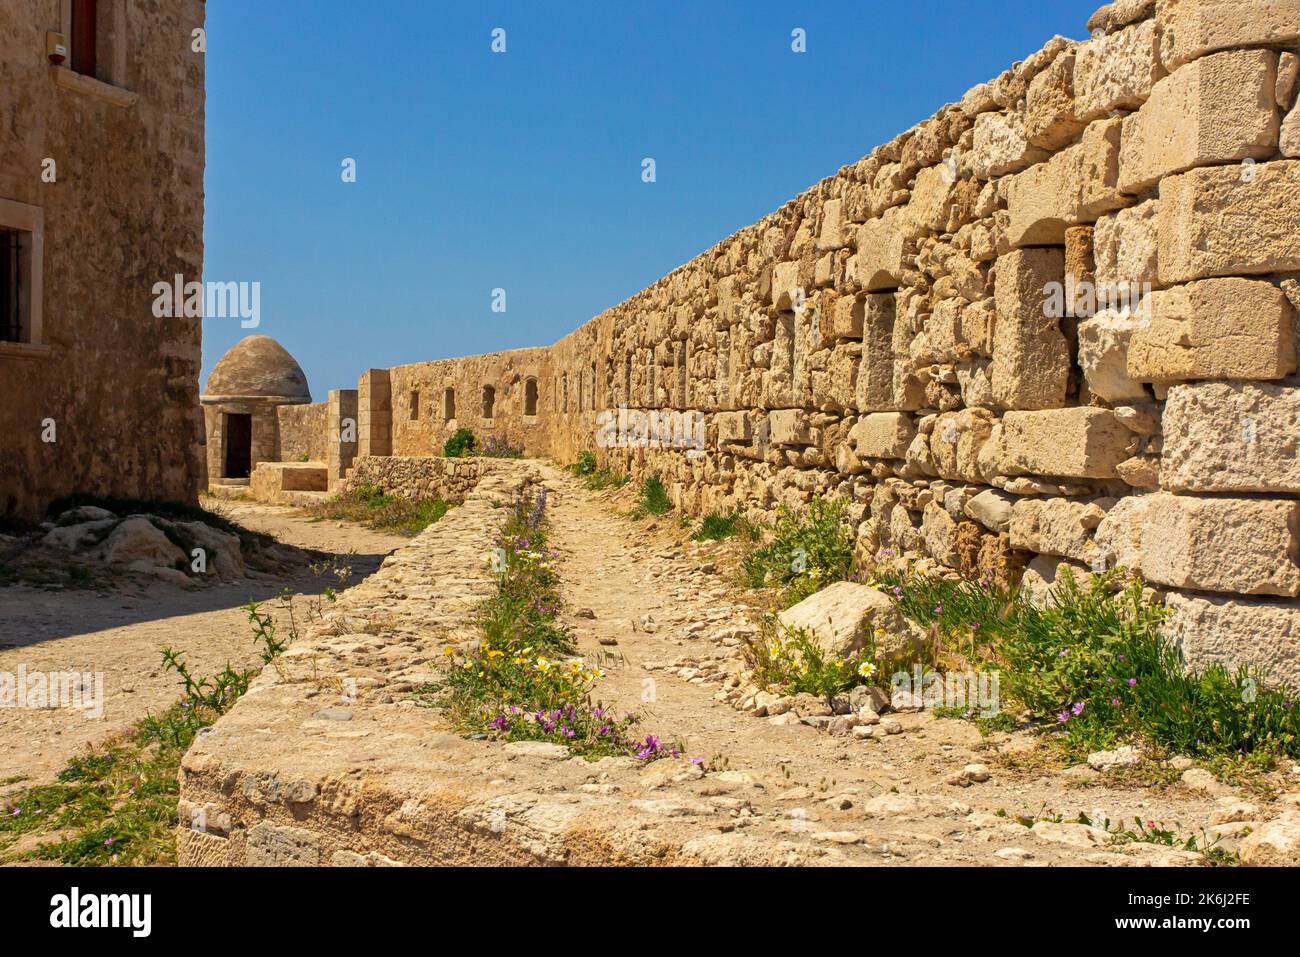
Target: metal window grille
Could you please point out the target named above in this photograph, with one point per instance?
(11, 286)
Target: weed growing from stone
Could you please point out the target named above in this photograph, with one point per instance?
(1095, 664)
(461, 443)
(789, 661)
(715, 527)
(808, 549)
(522, 681)
(654, 497)
(593, 476)
(118, 804)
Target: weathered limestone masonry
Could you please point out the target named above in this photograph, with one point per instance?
(101, 196)
(419, 477)
(1053, 324)
(492, 395)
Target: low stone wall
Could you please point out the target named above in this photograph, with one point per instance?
(303, 432)
(289, 483)
(418, 477)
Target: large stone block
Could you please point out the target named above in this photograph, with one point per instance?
(1219, 109)
(1193, 28)
(1230, 220)
(992, 508)
(1104, 344)
(843, 619)
(1118, 14)
(939, 535)
(1077, 185)
(1057, 526)
(1001, 146)
(883, 246)
(1066, 443)
(832, 231)
(1050, 118)
(955, 443)
(733, 428)
(1242, 545)
(875, 385)
(883, 435)
(1031, 358)
(846, 317)
(1231, 437)
(1125, 247)
(789, 427)
(788, 293)
(1116, 71)
(933, 194)
(1263, 633)
(1215, 329)
(1119, 534)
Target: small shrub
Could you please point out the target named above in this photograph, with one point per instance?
(654, 497)
(790, 661)
(810, 549)
(117, 804)
(1095, 663)
(461, 443)
(586, 464)
(716, 527)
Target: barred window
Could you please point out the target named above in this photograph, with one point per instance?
(14, 285)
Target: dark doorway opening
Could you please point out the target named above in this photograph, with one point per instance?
(239, 445)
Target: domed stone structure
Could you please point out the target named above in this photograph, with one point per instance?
(258, 367)
(241, 407)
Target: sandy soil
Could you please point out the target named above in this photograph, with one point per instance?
(119, 634)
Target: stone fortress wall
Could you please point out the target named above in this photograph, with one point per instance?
(119, 209)
(1054, 324)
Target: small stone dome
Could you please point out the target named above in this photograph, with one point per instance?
(258, 367)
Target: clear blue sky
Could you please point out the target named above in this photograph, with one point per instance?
(523, 170)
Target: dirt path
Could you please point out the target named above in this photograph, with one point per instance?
(119, 634)
(666, 629)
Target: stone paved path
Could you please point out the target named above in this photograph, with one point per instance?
(329, 759)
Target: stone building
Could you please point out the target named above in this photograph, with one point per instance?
(101, 198)
(248, 390)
